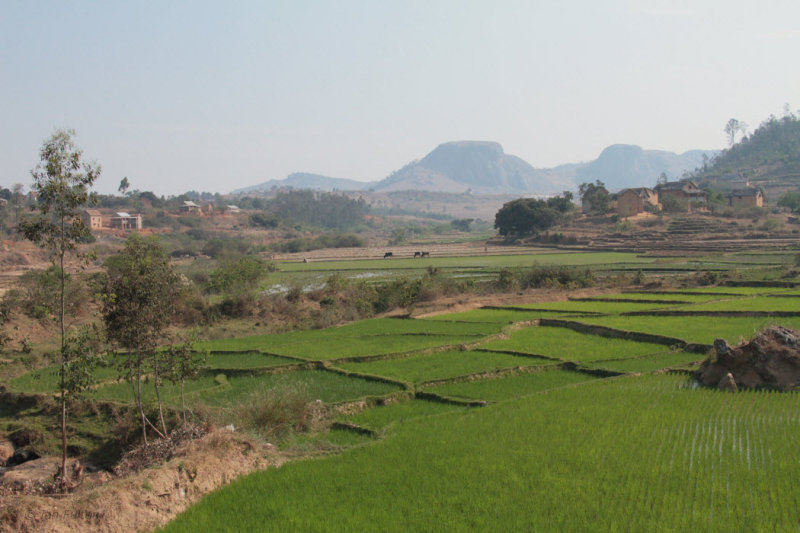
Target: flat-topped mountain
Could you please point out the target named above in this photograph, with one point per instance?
(482, 167)
(479, 166)
(305, 180)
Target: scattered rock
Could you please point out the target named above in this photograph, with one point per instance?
(34, 473)
(6, 450)
(22, 455)
(770, 359)
(728, 383)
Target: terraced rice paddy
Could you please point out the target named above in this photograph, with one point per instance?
(633, 454)
(591, 434)
(570, 345)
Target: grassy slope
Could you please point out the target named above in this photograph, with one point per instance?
(571, 459)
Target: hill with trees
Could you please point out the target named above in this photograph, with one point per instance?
(768, 158)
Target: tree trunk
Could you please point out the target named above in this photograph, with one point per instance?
(139, 396)
(158, 394)
(63, 469)
(183, 404)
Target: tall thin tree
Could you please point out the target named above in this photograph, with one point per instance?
(62, 183)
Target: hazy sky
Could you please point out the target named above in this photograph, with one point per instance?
(212, 96)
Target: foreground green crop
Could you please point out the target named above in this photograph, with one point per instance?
(628, 454)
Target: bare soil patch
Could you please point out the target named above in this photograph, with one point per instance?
(143, 500)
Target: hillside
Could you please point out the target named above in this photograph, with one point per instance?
(769, 158)
(624, 165)
(305, 180)
(482, 167)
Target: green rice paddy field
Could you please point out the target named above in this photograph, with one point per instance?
(590, 439)
(487, 420)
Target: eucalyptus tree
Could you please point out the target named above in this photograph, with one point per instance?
(62, 182)
(141, 291)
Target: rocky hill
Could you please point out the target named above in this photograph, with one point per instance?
(482, 167)
(305, 180)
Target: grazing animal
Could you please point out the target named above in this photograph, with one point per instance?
(305, 260)
(425, 254)
(387, 254)
(417, 254)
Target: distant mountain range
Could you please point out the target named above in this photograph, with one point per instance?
(483, 168)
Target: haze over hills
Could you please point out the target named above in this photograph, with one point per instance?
(483, 167)
(306, 180)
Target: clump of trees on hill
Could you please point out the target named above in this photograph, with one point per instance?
(531, 216)
(775, 141)
(325, 210)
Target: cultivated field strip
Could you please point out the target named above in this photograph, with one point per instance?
(629, 454)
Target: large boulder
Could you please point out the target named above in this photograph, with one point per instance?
(770, 359)
(35, 473)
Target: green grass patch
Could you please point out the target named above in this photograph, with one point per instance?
(500, 316)
(650, 362)
(365, 346)
(333, 440)
(631, 454)
(700, 329)
(569, 345)
(170, 393)
(606, 308)
(329, 387)
(380, 416)
(758, 304)
(46, 380)
(244, 360)
(510, 387)
(442, 365)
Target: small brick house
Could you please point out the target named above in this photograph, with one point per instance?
(93, 218)
(686, 192)
(631, 202)
(749, 197)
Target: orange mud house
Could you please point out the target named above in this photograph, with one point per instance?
(631, 202)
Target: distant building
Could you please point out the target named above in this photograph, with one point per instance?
(631, 202)
(749, 197)
(688, 194)
(233, 208)
(93, 218)
(126, 222)
(190, 207)
(3, 203)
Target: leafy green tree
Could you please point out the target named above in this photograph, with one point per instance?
(595, 198)
(238, 276)
(462, 224)
(124, 185)
(182, 362)
(790, 200)
(530, 215)
(141, 292)
(62, 182)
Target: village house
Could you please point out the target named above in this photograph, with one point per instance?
(686, 192)
(190, 207)
(125, 221)
(749, 197)
(233, 208)
(93, 218)
(631, 202)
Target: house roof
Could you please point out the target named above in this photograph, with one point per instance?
(641, 192)
(189, 203)
(683, 185)
(93, 212)
(744, 192)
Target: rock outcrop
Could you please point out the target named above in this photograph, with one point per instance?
(770, 359)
